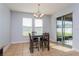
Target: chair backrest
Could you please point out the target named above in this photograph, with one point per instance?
(46, 36)
(30, 36)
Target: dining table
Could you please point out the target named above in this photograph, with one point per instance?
(40, 39)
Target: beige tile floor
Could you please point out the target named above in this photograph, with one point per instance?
(22, 49)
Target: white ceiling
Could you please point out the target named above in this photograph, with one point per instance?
(46, 8)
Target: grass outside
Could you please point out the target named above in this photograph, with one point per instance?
(65, 34)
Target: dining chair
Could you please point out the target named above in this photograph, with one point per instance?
(46, 41)
(33, 43)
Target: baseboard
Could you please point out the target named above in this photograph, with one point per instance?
(52, 41)
(6, 47)
(75, 49)
(19, 42)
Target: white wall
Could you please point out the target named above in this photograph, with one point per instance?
(46, 23)
(53, 29)
(74, 8)
(16, 35)
(4, 26)
(76, 27)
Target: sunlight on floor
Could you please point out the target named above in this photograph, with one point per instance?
(61, 48)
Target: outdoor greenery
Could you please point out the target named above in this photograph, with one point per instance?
(65, 34)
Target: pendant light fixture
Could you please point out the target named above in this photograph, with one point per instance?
(38, 14)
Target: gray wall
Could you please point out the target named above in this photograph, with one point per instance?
(4, 25)
(74, 8)
(16, 35)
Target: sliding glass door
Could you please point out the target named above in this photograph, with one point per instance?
(64, 29)
(68, 29)
(59, 30)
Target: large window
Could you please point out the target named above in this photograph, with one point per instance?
(27, 26)
(39, 26)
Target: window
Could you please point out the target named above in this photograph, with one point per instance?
(39, 26)
(27, 26)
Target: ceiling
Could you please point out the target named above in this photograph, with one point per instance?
(46, 8)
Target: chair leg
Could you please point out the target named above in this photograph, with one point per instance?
(31, 50)
(38, 46)
(42, 46)
(48, 47)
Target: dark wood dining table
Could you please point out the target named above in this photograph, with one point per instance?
(37, 36)
(40, 39)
